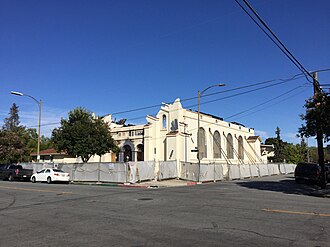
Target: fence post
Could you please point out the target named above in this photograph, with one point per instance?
(126, 168)
(98, 173)
(214, 180)
(199, 171)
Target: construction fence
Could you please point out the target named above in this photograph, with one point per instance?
(132, 172)
(217, 172)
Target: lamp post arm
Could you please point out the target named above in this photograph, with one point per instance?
(38, 102)
(216, 85)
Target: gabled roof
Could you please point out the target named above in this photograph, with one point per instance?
(49, 151)
(253, 138)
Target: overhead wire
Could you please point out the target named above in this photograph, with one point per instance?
(241, 93)
(265, 102)
(212, 123)
(210, 94)
(281, 46)
(295, 77)
(229, 96)
(276, 103)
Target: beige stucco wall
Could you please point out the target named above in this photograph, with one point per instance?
(180, 136)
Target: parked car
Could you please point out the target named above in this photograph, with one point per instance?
(14, 172)
(50, 175)
(327, 171)
(310, 172)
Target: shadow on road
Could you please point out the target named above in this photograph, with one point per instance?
(288, 186)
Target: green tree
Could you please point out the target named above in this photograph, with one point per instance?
(292, 154)
(313, 155)
(45, 142)
(11, 123)
(14, 139)
(279, 146)
(303, 150)
(83, 135)
(317, 110)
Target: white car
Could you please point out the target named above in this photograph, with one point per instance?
(50, 175)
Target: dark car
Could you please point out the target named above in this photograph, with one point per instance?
(310, 172)
(327, 171)
(14, 172)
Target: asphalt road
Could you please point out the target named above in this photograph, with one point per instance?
(270, 211)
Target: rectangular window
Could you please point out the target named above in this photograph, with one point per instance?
(139, 132)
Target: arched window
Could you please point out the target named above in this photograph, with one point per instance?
(230, 147)
(216, 145)
(127, 153)
(202, 143)
(240, 148)
(164, 122)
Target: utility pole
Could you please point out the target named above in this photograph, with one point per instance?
(319, 134)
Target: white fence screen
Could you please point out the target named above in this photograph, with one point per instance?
(145, 170)
(167, 169)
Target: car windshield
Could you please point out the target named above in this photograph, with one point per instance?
(57, 170)
(16, 167)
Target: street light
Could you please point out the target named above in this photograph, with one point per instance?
(39, 105)
(198, 123)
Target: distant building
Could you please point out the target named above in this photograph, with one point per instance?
(50, 155)
(267, 152)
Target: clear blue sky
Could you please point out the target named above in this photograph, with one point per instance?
(112, 56)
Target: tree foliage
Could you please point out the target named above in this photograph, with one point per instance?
(14, 139)
(279, 146)
(288, 152)
(83, 135)
(12, 121)
(292, 154)
(317, 115)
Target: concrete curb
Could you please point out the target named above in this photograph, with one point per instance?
(127, 185)
(132, 186)
(95, 184)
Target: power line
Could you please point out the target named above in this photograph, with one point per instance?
(295, 77)
(207, 102)
(242, 87)
(282, 47)
(265, 102)
(254, 111)
(241, 93)
(276, 103)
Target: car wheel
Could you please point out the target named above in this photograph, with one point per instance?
(49, 180)
(11, 177)
(34, 179)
